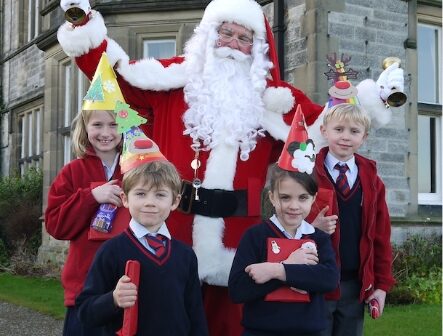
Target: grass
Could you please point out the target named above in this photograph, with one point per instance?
(46, 296)
(408, 320)
(41, 294)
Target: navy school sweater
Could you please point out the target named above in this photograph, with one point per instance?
(169, 294)
(282, 318)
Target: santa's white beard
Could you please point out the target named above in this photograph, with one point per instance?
(223, 105)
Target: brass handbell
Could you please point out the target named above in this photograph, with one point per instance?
(75, 15)
(396, 98)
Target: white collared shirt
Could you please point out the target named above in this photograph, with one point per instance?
(303, 229)
(140, 232)
(109, 171)
(351, 174)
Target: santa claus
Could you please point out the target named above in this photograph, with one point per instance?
(221, 114)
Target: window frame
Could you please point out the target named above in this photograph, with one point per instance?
(33, 19)
(146, 42)
(71, 101)
(30, 137)
(433, 110)
(155, 32)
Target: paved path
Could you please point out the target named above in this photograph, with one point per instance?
(20, 321)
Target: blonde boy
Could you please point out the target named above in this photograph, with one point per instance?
(360, 227)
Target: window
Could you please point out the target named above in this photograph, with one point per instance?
(159, 48)
(158, 40)
(74, 91)
(30, 132)
(33, 19)
(429, 64)
(67, 152)
(429, 121)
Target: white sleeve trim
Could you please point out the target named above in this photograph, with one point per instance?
(150, 74)
(77, 41)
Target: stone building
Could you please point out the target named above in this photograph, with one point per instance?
(42, 90)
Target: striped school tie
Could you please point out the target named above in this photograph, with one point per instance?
(157, 243)
(342, 181)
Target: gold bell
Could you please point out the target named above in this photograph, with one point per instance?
(75, 15)
(396, 98)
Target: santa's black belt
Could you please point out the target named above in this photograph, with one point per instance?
(213, 202)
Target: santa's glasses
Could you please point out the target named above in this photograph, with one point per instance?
(227, 36)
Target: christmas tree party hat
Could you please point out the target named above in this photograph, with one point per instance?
(298, 153)
(126, 118)
(104, 92)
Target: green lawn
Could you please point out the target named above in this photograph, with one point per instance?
(46, 296)
(41, 294)
(410, 320)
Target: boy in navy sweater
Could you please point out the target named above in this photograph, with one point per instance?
(169, 295)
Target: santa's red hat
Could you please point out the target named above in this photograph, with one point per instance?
(298, 153)
(273, 57)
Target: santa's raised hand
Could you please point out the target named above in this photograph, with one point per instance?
(391, 78)
(82, 4)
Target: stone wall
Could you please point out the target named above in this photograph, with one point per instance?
(22, 76)
(368, 32)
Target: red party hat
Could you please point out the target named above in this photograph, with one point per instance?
(138, 149)
(298, 153)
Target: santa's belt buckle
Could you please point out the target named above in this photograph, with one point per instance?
(187, 197)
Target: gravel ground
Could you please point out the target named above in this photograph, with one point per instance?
(20, 321)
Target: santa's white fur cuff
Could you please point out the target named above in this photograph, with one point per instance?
(77, 41)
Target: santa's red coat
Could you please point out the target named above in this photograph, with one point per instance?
(164, 111)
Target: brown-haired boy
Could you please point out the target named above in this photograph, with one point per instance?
(169, 295)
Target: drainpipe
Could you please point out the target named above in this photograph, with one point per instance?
(1, 55)
(1, 75)
(279, 34)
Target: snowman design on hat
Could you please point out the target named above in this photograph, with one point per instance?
(299, 151)
(303, 154)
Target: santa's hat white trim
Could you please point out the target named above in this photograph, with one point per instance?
(247, 13)
(77, 41)
(149, 74)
